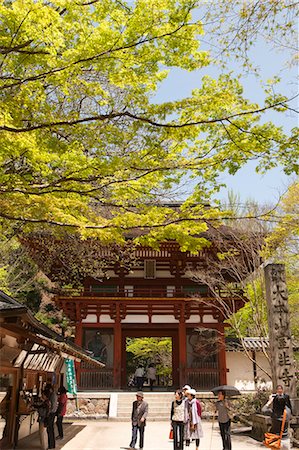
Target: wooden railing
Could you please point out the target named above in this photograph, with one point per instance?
(203, 380)
(96, 379)
(153, 293)
(138, 292)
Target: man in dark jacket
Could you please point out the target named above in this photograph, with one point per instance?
(139, 415)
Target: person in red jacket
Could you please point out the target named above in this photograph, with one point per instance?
(61, 410)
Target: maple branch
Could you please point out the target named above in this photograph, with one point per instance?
(112, 115)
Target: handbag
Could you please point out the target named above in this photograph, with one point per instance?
(171, 433)
(274, 440)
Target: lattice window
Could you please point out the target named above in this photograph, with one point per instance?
(150, 268)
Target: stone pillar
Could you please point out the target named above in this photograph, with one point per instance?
(281, 350)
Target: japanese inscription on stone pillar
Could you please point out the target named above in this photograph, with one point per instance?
(281, 350)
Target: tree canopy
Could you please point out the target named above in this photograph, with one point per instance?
(85, 147)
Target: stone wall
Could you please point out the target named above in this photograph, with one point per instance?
(89, 408)
(260, 425)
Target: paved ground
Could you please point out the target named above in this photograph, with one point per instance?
(116, 435)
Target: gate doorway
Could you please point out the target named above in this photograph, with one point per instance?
(145, 347)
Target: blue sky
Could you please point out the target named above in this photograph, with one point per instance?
(264, 188)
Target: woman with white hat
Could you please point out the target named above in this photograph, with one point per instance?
(193, 427)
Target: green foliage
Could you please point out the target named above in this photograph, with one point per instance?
(280, 246)
(251, 403)
(83, 144)
(19, 275)
(251, 320)
(242, 23)
(148, 350)
(21, 278)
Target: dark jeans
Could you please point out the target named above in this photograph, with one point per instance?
(151, 383)
(135, 429)
(139, 382)
(225, 434)
(50, 430)
(178, 435)
(59, 425)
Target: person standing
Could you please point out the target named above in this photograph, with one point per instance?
(177, 416)
(139, 376)
(52, 413)
(224, 419)
(139, 415)
(61, 410)
(185, 389)
(151, 375)
(193, 428)
(278, 403)
(43, 408)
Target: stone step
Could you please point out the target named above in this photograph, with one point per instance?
(126, 419)
(151, 407)
(150, 402)
(148, 397)
(159, 405)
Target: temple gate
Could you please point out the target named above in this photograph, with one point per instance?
(155, 298)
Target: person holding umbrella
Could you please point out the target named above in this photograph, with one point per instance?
(223, 408)
(224, 419)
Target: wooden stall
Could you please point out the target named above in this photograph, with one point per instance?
(31, 355)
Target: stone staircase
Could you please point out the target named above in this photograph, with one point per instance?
(159, 405)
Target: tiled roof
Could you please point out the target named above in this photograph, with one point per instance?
(9, 305)
(257, 344)
(10, 308)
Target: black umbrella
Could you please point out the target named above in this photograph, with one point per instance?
(228, 390)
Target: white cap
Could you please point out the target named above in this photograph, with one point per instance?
(186, 387)
(191, 391)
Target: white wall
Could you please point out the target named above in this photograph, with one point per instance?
(240, 372)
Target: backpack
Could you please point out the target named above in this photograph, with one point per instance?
(198, 406)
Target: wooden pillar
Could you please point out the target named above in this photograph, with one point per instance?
(117, 350)
(182, 347)
(222, 356)
(78, 341)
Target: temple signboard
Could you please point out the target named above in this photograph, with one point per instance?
(71, 377)
(281, 350)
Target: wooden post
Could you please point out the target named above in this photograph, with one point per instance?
(117, 350)
(182, 347)
(222, 356)
(281, 350)
(78, 341)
